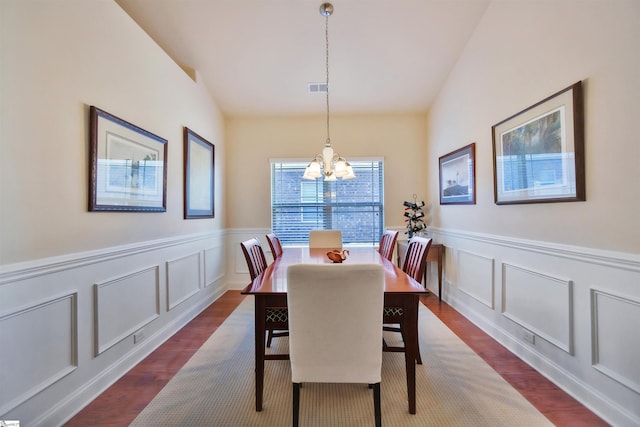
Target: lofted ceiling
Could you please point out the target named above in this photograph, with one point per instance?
(257, 56)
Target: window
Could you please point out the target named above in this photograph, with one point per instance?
(309, 197)
(354, 206)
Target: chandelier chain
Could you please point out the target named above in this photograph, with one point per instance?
(328, 163)
(326, 34)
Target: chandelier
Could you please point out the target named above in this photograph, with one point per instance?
(328, 163)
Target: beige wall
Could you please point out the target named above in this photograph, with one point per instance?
(58, 58)
(399, 139)
(521, 53)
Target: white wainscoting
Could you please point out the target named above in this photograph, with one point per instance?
(475, 276)
(611, 326)
(43, 336)
(70, 321)
(603, 298)
(213, 264)
(118, 318)
(540, 303)
(581, 304)
(183, 279)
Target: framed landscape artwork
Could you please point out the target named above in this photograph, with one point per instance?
(538, 154)
(128, 166)
(458, 177)
(198, 176)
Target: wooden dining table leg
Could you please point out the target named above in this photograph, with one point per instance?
(410, 319)
(440, 261)
(260, 313)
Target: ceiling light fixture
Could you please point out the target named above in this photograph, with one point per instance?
(328, 163)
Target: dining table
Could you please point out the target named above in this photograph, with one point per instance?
(270, 291)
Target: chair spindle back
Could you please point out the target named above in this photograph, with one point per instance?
(416, 256)
(254, 255)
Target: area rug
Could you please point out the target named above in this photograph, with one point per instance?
(454, 387)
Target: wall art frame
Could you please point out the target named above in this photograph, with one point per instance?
(199, 168)
(128, 166)
(538, 153)
(458, 176)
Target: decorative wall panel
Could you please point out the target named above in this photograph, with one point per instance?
(475, 276)
(616, 340)
(125, 304)
(183, 279)
(213, 265)
(539, 302)
(39, 343)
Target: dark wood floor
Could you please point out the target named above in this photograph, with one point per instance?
(122, 402)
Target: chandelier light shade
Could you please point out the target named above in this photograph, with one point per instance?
(328, 163)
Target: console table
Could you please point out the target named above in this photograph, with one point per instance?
(435, 254)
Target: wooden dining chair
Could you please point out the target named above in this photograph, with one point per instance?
(388, 243)
(415, 259)
(275, 245)
(276, 251)
(330, 239)
(414, 264)
(276, 317)
(254, 255)
(322, 299)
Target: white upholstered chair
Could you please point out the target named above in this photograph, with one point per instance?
(335, 326)
(331, 239)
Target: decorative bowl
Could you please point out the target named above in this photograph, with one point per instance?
(337, 256)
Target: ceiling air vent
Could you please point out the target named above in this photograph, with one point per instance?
(317, 87)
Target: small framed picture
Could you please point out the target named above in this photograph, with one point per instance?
(538, 153)
(128, 166)
(199, 161)
(458, 177)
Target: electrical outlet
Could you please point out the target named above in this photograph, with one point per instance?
(529, 336)
(138, 336)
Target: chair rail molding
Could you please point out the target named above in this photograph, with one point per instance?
(621, 260)
(40, 267)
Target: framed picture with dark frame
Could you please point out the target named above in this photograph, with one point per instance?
(538, 153)
(128, 166)
(458, 176)
(199, 162)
